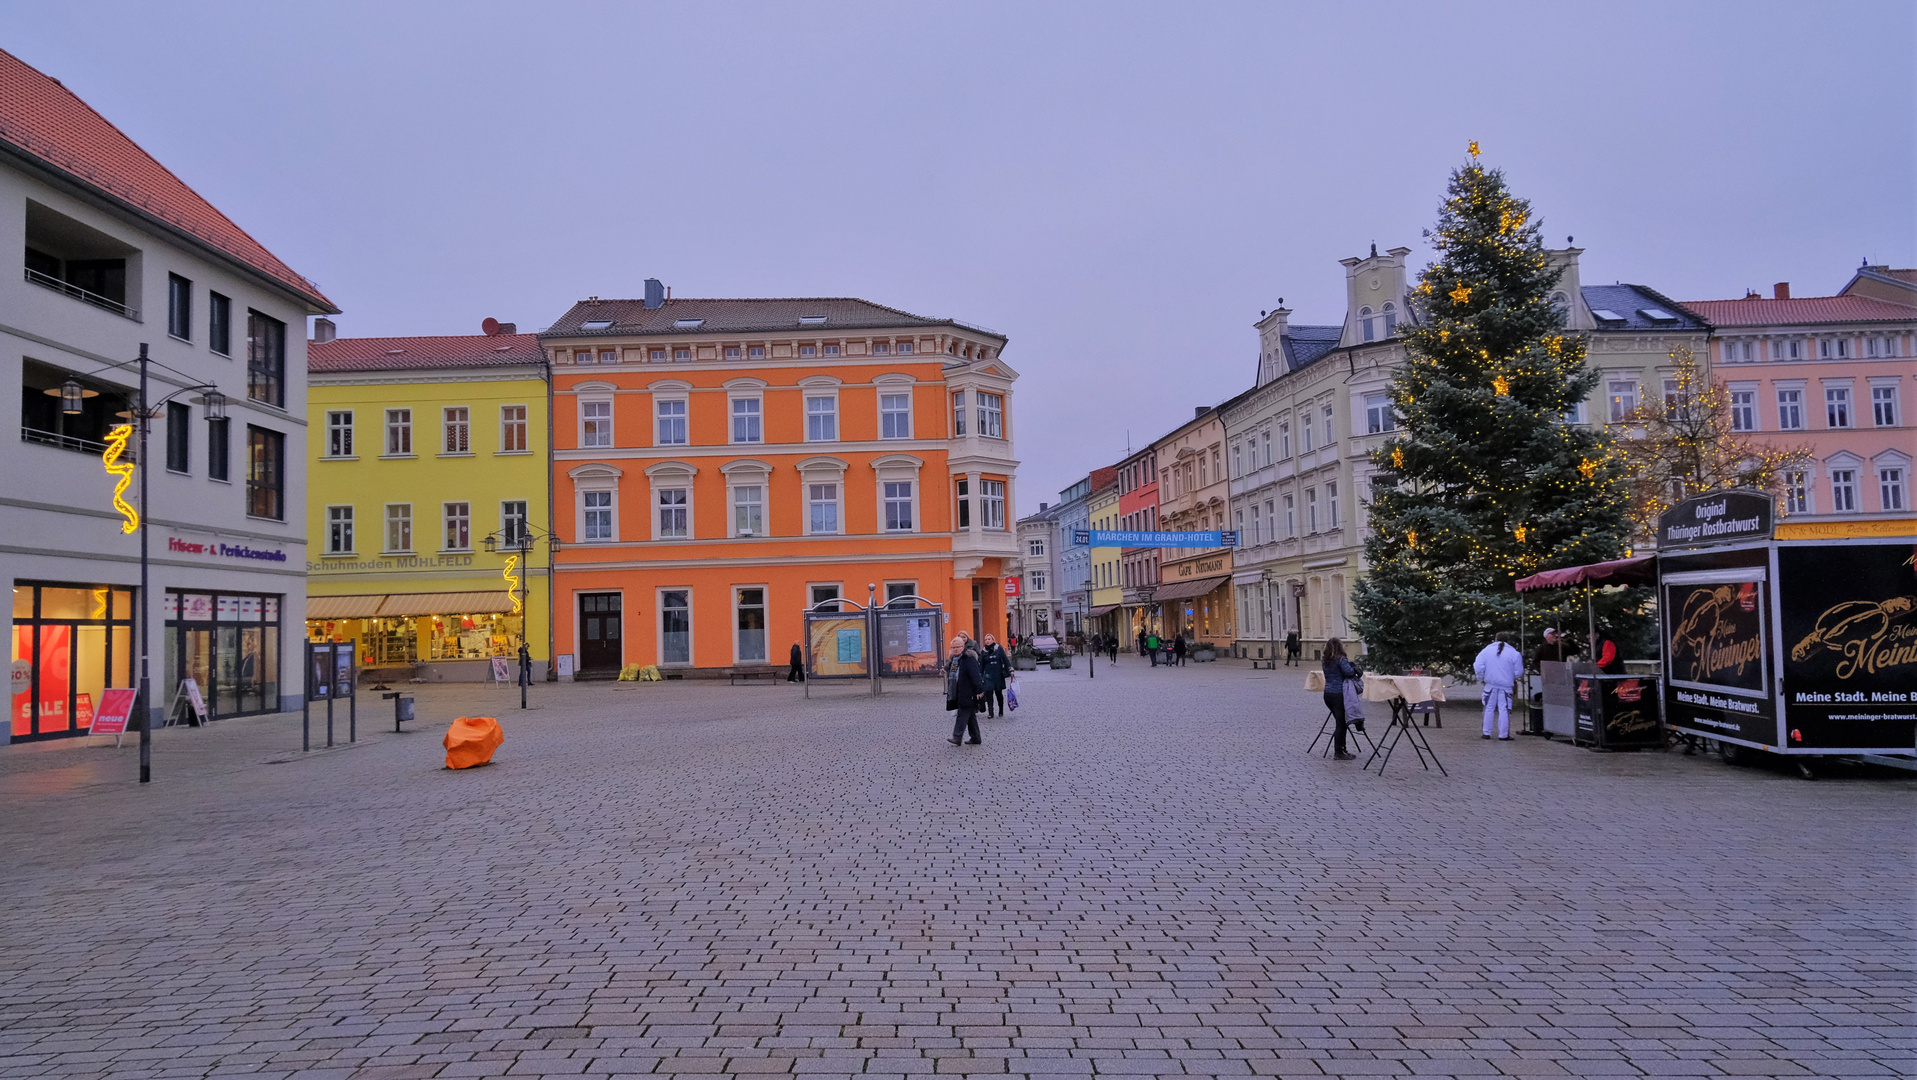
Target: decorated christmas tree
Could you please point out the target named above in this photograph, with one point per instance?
(1486, 482)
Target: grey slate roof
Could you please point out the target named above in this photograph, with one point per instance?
(1304, 344)
(1630, 302)
(740, 316)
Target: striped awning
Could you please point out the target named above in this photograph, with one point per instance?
(400, 605)
(343, 607)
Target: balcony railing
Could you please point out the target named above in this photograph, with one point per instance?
(50, 282)
(70, 442)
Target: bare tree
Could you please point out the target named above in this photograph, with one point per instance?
(1687, 444)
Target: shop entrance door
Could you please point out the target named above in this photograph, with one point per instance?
(599, 632)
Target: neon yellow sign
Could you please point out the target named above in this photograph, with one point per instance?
(115, 446)
(512, 582)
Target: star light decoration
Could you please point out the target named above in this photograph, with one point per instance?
(1460, 295)
(1474, 149)
(1503, 386)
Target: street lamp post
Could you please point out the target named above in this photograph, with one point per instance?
(72, 402)
(1084, 635)
(520, 545)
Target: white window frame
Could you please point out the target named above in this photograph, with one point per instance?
(588, 509)
(595, 431)
(595, 477)
(897, 469)
(1843, 486)
(1037, 581)
(1035, 548)
(1311, 511)
(1328, 414)
(1885, 392)
(681, 420)
(1893, 491)
(1743, 412)
(456, 525)
(739, 476)
(659, 626)
(991, 504)
(509, 535)
(905, 392)
(1284, 440)
(456, 431)
(404, 521)
(523, 426)
(826, 430)
(339, 435)
(1800, 491)
(1380, 418)
(1792, 409)
(1331, 506)
(991, 414)
(886, 591)
(1621, 395)
(1839, 398)
(399, 434)
(833, 502)
(765, 613)
(340, 530)
(749, 421)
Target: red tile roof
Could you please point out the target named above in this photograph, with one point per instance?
(421, 353)
(1756, 311)
(45, 121)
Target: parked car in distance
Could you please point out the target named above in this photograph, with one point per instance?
(1043, 646)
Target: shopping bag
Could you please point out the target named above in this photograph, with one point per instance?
(1011, 697)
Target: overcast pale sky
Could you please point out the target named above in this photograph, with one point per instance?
(1118, 188)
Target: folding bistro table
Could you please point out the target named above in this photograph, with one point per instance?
(1400, 692)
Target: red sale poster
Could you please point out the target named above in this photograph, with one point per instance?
(51, 667)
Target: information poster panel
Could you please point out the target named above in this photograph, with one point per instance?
(836, 646)
(908, 643)
(1848, 613)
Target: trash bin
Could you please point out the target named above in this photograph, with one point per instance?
(405, 708)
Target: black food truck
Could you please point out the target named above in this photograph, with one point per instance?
(1789, 646)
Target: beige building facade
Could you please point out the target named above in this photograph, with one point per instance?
(1193, 595)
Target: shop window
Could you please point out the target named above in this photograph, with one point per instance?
(899, 594)
(179, 436)
(750, 622)
(77, 641)
(825, 595)
(675, 626)
(399, 527)
(265, 359)
(265, 473)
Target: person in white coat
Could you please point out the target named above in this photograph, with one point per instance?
(1498, 668)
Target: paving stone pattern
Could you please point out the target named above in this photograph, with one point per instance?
(1141, 874)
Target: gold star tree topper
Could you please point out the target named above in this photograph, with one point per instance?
(1474, 149)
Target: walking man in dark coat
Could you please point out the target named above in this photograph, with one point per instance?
(964, 691)
(1178, 649)
(796, 673)
(1293, 647)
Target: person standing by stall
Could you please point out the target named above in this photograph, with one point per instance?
(1338, 670)
(1498, 667)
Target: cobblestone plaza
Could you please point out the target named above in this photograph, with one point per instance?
(1141, 873)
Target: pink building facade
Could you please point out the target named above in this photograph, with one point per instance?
(1836, 373)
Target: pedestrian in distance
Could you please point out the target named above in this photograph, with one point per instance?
(1141, 643)
(1338, 671)
(1178, 649)
(1498, 666)
(796, 673)
(1111, 645)
(1293, 647)
(1151, 646)
(996, 666)
(964, 691)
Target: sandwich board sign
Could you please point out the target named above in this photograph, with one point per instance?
(116, 709)
(187, 698)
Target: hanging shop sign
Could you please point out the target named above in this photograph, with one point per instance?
(216, 551)
(1014, 586)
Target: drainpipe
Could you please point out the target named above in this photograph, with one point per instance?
(552, 560)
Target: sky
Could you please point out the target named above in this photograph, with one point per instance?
(1118, 188)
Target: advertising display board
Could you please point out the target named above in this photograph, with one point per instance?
(835, 645)
(1848, 616)
(908, 643)
(1717, 678)
(1617, 712)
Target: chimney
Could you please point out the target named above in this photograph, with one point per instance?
(1781, 291)
(1200, 410)
(324, 330)
(1041, 508)
(509, 328)
(655, 294)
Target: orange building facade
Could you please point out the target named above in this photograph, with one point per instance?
(720, 465)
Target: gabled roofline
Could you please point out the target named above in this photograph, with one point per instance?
(27, 161)
(1896, 282)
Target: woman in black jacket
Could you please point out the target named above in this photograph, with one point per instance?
(996, 666)
(1338, 670)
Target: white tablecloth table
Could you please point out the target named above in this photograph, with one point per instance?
(1412, 689)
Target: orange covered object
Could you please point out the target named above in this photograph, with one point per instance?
(471, 741)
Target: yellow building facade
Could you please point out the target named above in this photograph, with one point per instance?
(423, 450)
(1108, 586)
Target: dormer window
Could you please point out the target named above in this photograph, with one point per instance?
(1606, 315)
(1657, 315)
(811, 320)
(596, 324)
(689, 324)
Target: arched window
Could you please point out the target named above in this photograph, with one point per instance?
(1370, 328)
(1390, 318)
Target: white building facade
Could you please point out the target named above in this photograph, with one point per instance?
(117, 254)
